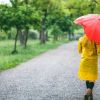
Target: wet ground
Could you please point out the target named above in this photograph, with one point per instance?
(50, 76)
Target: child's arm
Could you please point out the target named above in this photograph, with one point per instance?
(80, 45)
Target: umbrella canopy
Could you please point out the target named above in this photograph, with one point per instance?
(91, 25)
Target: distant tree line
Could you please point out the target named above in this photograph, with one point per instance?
(53, 17)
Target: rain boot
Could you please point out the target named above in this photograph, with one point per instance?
(86, 97)
(90, 97)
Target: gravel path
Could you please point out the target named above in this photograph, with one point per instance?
(50, 76)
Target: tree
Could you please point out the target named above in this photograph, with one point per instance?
(56, 32)
(61, 18)
(4, 17)
(45, 11)
(81, 7)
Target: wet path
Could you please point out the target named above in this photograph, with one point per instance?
(50, 76)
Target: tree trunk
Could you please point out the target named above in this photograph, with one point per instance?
(47, 36)
(42, 33)
(69, 35)
(26, 36)
(22, 38)
(16, 37)
(73, 36)
(42, 38)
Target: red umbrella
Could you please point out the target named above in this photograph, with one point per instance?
(91, 25)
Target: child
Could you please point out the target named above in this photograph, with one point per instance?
(88, 70)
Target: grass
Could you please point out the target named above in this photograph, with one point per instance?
(34, 48)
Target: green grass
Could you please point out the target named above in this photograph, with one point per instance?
(34, 48)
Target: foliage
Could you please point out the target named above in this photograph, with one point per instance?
(26, 14)
(56, 32)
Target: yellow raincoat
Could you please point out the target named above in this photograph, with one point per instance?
(89, 59)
